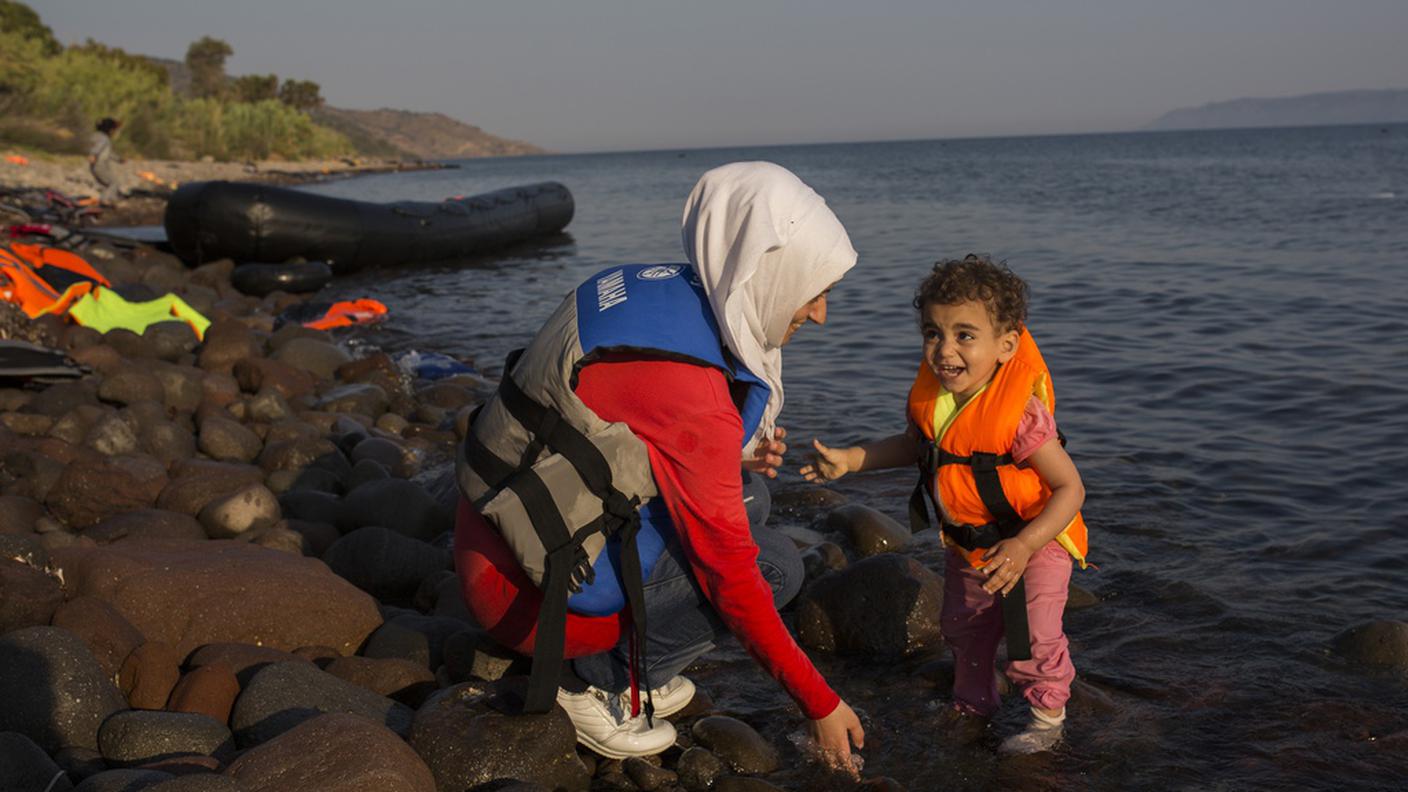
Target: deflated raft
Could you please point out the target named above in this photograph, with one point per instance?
(255, 222)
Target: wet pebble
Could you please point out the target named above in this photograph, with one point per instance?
(466, 741)
(869, 531)
(698, 769)
(1378, 644)
(736, 744)
(823, 558)
(885, 605)
(359, 398)
(804, 501)
(1078, 598)
(646, 776)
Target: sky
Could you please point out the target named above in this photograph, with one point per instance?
(600, 75)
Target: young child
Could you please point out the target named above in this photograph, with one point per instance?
(1007, 495)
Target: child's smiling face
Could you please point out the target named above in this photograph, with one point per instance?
(963, 347)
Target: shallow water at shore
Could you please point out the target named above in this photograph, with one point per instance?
(1223, 315)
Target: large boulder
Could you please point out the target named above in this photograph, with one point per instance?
(53, 690)
(147, 525)
(886, 605)
(283, 695)
(333, 753)
(192, 594)
(467, 739)
(737, 744)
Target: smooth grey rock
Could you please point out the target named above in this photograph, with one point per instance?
(412, 636)
(311, 505)
(28, 596)
(466, 739)
(385, 564)
(360, 398)
(283, 695)
(736, 744)
(137, 737)
(129, 384)
(53, 690)
(886, 605)
(646, 776)
(397, 505)
(112, 435)
(269, 406)
(398, 460)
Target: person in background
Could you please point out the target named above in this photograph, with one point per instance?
(1007, 495)
(102, 161)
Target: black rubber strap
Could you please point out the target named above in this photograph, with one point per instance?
(1014, 622)
(635, 599)
(552, 614)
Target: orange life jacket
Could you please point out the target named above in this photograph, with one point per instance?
(38, 257)
(20, 285)
(973, 475)
(348, 313)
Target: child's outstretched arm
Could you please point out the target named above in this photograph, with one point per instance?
(829, 464)
(1010, 556)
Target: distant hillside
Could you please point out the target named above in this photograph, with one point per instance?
(1335, 107)
(393, 133)
(423, 135)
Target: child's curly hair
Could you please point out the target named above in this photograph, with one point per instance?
(977, 277)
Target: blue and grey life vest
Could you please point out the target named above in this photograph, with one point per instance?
(573, 495)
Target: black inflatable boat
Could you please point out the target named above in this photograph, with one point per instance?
(255, 222)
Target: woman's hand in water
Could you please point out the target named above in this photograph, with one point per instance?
(828, 464)
(835, 734)
(1007, 560)
(767, 455)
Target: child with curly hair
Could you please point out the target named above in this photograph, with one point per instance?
(1007, 495)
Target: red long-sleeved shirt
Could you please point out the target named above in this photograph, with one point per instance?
(693, 433)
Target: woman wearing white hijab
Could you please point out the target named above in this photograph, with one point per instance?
(766, 251)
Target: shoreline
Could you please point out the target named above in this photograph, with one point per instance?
(146, 184)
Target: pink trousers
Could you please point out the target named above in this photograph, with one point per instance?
(972, 626)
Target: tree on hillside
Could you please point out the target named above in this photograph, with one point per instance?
(303, 95)
(124, 59)
(206, 60)
(256, 87)
(20, 19)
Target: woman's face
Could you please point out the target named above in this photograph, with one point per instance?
(813, 311)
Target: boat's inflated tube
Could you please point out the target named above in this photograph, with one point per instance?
(297, 278)
(255, 222)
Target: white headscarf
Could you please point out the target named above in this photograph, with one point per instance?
(764, 244)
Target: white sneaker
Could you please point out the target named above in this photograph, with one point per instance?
(1043, 733)
(670, 697)
(605, 726)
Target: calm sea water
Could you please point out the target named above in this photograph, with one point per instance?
(1224, 316)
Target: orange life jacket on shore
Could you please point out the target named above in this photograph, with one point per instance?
(19, 284)
(982, 494)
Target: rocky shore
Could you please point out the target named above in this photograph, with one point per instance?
(147, 182)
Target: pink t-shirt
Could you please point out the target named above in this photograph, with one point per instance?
(1036, 427)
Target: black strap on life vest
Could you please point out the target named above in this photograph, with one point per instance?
(1006, 524)
(567, 566)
